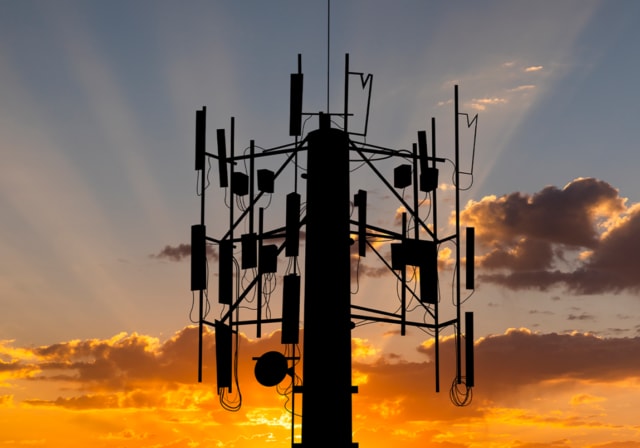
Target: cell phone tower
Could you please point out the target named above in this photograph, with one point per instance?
(247, 261)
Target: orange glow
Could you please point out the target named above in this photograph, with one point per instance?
(135, 391)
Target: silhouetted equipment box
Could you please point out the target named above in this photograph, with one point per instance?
(397, 257)
(225, 277)
(224, 351)
(422, 254)
(429, 280)
(419, 252)
(239, 183)
(249, 250)
(222, 158)
(402, 176)
(198, 258)
(266, 181)
(268, 262)
(201, 132)
(428, 179)
(292, 232)
(290, 309)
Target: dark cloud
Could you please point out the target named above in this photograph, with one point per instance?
(510, 369)
(583, 316)
(582, 237)
(529, 358)
(362, 267)
(181, 252)
(561, 216)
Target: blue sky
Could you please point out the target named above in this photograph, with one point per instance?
(97, 122)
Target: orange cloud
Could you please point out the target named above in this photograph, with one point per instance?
(581, 399)
(137, 390)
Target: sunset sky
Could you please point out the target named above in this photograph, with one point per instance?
(98, 193)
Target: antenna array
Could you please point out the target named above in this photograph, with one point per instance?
(248, 262)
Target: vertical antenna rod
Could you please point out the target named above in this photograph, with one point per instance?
(457, 177)
(434, 207)
(346, 93)
(328, 52)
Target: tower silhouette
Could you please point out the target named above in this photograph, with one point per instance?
(329, 316)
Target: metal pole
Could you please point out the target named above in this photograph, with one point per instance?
(434, 206)
(327, 404)
(457, 186)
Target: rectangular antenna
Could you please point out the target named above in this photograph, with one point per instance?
(422, 150)
(222, 158)
(225, 273)
(468, 348)
(428, 175)
(224, 351)
(198, 258)
(428, 271)
(295, 104)
(201, 132)
(360, 201)
(470, 269)
(292, 241)
(290, 309)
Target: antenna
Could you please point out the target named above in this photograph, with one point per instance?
(201, 132)
(198, 257)
(328, 53)
(470, 259)
(222, 158)
(324, 210)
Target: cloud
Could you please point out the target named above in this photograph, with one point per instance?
(181, 252)
(523, 88)
(533, 68)
(581, 236)
(482, 103)
(581, 399)
(157, 379)
(583, 316)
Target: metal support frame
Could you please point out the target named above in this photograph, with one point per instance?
(326, 360)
